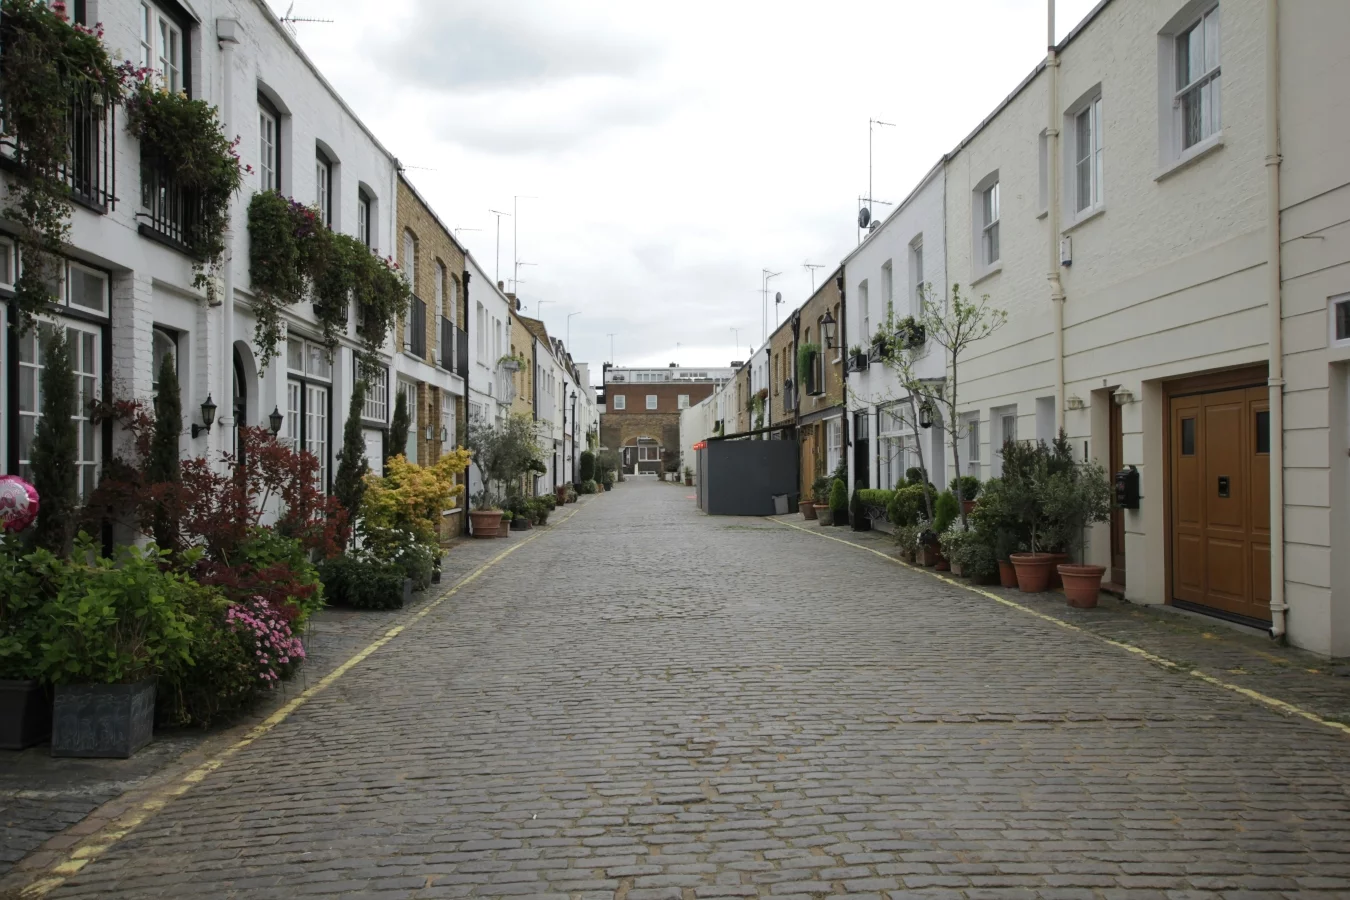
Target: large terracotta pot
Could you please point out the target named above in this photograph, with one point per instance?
(824, 515)
(927, 555)
(1033, 571)
(968, 506)
(1007, 575)
(807, 508)
(1082, 584)
(486, 523)
(943, 564)
(1056, 559)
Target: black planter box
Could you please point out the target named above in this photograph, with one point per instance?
(105, 721)
(25, 714)
(858, 363)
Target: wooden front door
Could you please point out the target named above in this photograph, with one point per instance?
(1117, 458)
(808, 459)
(1220, 509)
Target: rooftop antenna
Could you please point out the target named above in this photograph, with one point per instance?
(497, 276)
(458, 228)
(811, 267)
(765, 277)
(871, 124)
(290, 20)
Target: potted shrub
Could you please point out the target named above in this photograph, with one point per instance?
(946, 511)
(111, 627)
(688, 477)
(608, 481)
(857, 359)
(858, 519)
(970, 490)
(25, 702)
(1072, 500)
(910, 333)
(504, 529)
(485, 518)
(926, 544)
(907, 539)
(838, 503)
(561, 493)
(953, 544)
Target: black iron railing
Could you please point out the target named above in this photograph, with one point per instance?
(169, 212)
(89, 172)
(447, 360)
(462, 353)
(417, 339)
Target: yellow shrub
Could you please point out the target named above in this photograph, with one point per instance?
(411, 498)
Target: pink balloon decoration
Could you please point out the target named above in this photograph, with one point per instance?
(18, 503)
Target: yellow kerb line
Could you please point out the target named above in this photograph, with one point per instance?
(100, 841)
(1264, 699)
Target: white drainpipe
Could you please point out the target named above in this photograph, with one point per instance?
(1052, 160)
(226, 36)
(1274, 305)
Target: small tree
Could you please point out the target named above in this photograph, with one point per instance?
(349, 485)
(56, 447)
(398, 428)
(502, 454)
(587, 466)
(954, 326)
(162, 465)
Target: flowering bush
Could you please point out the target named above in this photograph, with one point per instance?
(182, 137)
(275, 648)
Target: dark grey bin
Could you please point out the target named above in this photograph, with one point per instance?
(25, 714)
(103, 720)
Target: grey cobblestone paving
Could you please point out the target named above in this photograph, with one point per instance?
(645, 703)
(41, 796)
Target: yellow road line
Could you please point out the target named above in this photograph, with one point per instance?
(100, 841)
(1264, 699)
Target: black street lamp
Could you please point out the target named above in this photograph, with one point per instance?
(208, 417)
(827, 326)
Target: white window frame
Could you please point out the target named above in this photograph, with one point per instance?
(363, 209)
(865, 305)
(1206, 85)
(1084, 146)
(448, 420)
(1338, 306)
(834, 439)
(990, 212)
(409, 389)
(682, 402)
(376, 406)
(88, 371)
(162, 47)
(651, 401)
(999, 418)
(971, 423)
(916, 300)
(620, 401)
(888, 284)
(269, 150)
(323, 187)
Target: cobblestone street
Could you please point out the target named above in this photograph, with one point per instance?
(642, 702)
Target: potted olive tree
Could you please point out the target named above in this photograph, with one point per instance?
(1071, 501)
(502, 453)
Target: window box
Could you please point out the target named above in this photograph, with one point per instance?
(857, 362)
(879, 350)
(911, 334)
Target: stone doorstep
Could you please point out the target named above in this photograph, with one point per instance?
(1234, 653)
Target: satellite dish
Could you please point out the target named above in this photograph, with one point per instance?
(778, 297)
(864, 216)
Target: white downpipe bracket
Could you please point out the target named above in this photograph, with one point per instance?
(1052, 239)
(227, 37)
(1274, 305)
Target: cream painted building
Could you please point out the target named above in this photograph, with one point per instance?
(1151, 207)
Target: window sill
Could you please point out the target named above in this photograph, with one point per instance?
(1083, 219)
(1205, 148)
(988, 273)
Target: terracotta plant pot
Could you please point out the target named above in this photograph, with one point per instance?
(968, 506)
(486, 523)
(1055, 560)
(689, 481)
(504, 529)
(807, 508)
(926, 555)
(1082, 584)
(824, 515)
(943, 564)
(1033, 571)
(1007, 575)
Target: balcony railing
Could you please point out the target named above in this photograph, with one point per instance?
(170, 213)
(89, 172)
(447, 360)
(462, 353)
(416, 339)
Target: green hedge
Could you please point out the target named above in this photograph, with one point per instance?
(363, 583)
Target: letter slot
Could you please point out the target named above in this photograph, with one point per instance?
(1223, 486)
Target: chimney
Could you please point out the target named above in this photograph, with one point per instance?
(501, 286)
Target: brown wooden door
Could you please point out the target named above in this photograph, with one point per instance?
(1220, 471)
(808, 459)
(1117, 458)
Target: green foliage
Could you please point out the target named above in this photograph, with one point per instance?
(363, 582)
(263, 550)
(221, 680)
(1028, 469)
(587, 466)
(26, 582)
(349, 485)
(47, 63)
(907, 537)
(182, 138)
(970, 487)
(806, 354)
(954, 541)
(946, 511)
(502, 453)
(838, 497)
(915, 475)
(115, 621)
(1071, 501)
(875, 503)
(589, 487)
(56, 446)
(906, 505)
(398, 427)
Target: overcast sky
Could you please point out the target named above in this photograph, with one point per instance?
(670, 151)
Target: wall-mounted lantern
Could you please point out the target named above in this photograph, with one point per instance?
(275, 420)
(1123, 396)
(208, 417)
(827, 325)
(926, 412)
(1075, 402)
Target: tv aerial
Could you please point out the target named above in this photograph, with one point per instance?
(290, 20)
